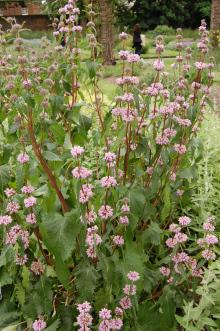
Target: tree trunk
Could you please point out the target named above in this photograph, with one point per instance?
(215, 16)
(106, 33)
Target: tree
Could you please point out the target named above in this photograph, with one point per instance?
(215, 15)
(148, 13)
(106, 29)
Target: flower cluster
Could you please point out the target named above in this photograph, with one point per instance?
(209, 240)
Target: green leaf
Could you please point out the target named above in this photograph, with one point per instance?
(20, 294)
(8, 318)
(20, 176)
(50, 156)
(60, 232)
(25, 277)
(86, 280)
(187, 173)
(57, 103)
(54, 326)
(4, 174)
(167, 203)
(58, 132)
(10, 328)
(152, 234)
(62, 271)
(138, 201)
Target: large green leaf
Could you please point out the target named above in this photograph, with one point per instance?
(60, 233)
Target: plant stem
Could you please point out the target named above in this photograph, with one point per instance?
(47, 170)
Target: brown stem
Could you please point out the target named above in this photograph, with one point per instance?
(51, 177)
(46, 257)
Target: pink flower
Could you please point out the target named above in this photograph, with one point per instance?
(171, 242)
(104, 325)
(23, 158)
(208, 255)
(85, 193)
(211, 239)
(173, 176)
(162, 140)
(84, 320)
(105, 314)
(91, 252)
(110, 157)
(125, 303)
(123, 36)
(77, 28)
(12, 207)
(179, 193)
(127, 97)
(30, 202)
(129, 115)
(84, 307)
(9, 192)
(125, 208)
(105, 212)
(117, 112)
(150, 170)
(169, 132)
(181, 257)
(39, 325)
(124, 220)
(108, 182)
(31, 218)
(175, 228)
(28, 189)
(184, 220)
(133, 276)
(27, 84)
(37, 268)
(200, 65)
(81, 173)
(201, 242)
(180, 237)
(118, 311)
(181, 149)
(93, 239)
(118, 240)
(133, 58)
(159, 48)
(123, 54)
(130, 289)
(209, 227)
(76, 151)
(90, 217)
(165, 271)
(158, 65)
(116, 324)
(5, 220)
(21, 260)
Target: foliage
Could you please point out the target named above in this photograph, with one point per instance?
(149, 14)
(164, 30)
(205, 312)
(91, 191)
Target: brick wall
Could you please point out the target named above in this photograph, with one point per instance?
(34, 22)
(15, 10)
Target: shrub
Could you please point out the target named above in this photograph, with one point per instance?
(164, 30)
(92, 233)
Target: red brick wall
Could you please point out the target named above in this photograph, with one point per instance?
(34, 22)
(15, 10)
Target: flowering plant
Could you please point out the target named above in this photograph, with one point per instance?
(88, 207)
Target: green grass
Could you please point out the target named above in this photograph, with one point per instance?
(37, 34)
